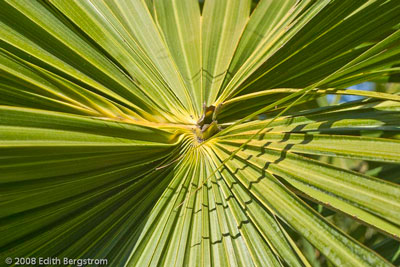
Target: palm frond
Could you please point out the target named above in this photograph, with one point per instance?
(169, 133)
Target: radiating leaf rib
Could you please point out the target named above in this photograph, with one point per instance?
(384, 53)
(358, 147)
(270, 231)
(27, 132)
(258, 95)
(182, 233)
(199, 252)
(144, 31)
(108, 29)
(350, 117)
(26, 45)
(14, 96)
(31, 78)
(77, 219)
(99, 156)
(180, 22)
(162, 215)
(316, 43)
(382, 73)
(18, 197)
(234, 107)
(176, 218)
(53, 53)
(349, 34)
(300, 15)
(221, 245)
(161, 182)
(222, 25)
(268, 17)
(223, 225)
(30, 140)
(335, 245)
(28, 169)
(25, 117)
(372, 195)
(22, 74)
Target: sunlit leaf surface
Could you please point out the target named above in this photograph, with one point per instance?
(169, 133)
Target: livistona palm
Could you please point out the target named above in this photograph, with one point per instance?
(162, 133)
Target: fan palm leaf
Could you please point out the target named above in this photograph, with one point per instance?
(165, 133)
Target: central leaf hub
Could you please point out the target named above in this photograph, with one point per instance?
(207, 125)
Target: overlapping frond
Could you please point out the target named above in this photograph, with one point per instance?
(168, 133)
